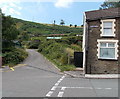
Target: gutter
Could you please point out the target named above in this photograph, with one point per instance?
(108, 17)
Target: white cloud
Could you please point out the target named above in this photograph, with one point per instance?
(63, 3)
(12, 11)
(10, 8)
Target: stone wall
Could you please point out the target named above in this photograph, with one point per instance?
(93, 64)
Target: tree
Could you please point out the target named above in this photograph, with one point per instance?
(62, 22)
(75, 25)
(54, 22)
(82, 25)
(9, 32)
(70, 25)
(23, 36)
(0, 12)
(110, 4)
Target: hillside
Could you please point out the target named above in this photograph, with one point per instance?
(59, 51)
(38, 29)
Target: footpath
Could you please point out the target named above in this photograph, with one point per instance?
(78, 73)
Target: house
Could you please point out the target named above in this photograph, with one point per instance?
(101, 41)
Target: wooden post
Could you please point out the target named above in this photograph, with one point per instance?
(68, 58)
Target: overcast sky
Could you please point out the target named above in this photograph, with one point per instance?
(71, 11)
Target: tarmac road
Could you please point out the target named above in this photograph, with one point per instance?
(40, 78)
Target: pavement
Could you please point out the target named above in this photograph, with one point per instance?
(79, 74)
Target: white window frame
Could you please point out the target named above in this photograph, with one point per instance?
(107, 41)
(113, 28)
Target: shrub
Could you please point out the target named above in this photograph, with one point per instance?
(14, 57)
(64, 59)
(67, 67)
(56, 52)
(33, 44)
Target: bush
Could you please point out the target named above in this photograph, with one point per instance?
(14, 57)
(67, 67)
(64, 59)
(56, 53)
(33, 44)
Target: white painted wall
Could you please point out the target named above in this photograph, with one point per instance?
(84, 42)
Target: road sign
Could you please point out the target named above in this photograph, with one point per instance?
(54, 37)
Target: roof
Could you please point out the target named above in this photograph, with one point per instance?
(102, 14)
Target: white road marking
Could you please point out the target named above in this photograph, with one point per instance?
(63, 76)
(49, 93)
(55, 86)
(104, 88)
(98, 88)
(63, 88)
(81, 87)
(59, 81)
(60, 94)
(108, 88)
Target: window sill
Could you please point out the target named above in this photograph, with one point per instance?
(112, 59)
(107, 35)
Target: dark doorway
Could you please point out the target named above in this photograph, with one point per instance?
(78, 59)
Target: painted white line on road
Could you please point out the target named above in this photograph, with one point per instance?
(59, 81)
(60, 94)
(54, 87)
(49, 93)
(104, 88)
(80, 87)
(56, 84)
(63, 76)
(98, 88)
(63, 88)
(108, 88)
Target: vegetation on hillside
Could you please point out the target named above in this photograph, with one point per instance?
(38, 29)
(11, 55)
(60, 52)
(34, 36)
(55, 52)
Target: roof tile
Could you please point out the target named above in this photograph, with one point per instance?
(104, 13)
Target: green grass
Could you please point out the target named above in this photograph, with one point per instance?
(57, 53)
(60, 66)
(45, 29)
(55, 50)
(60, 52)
